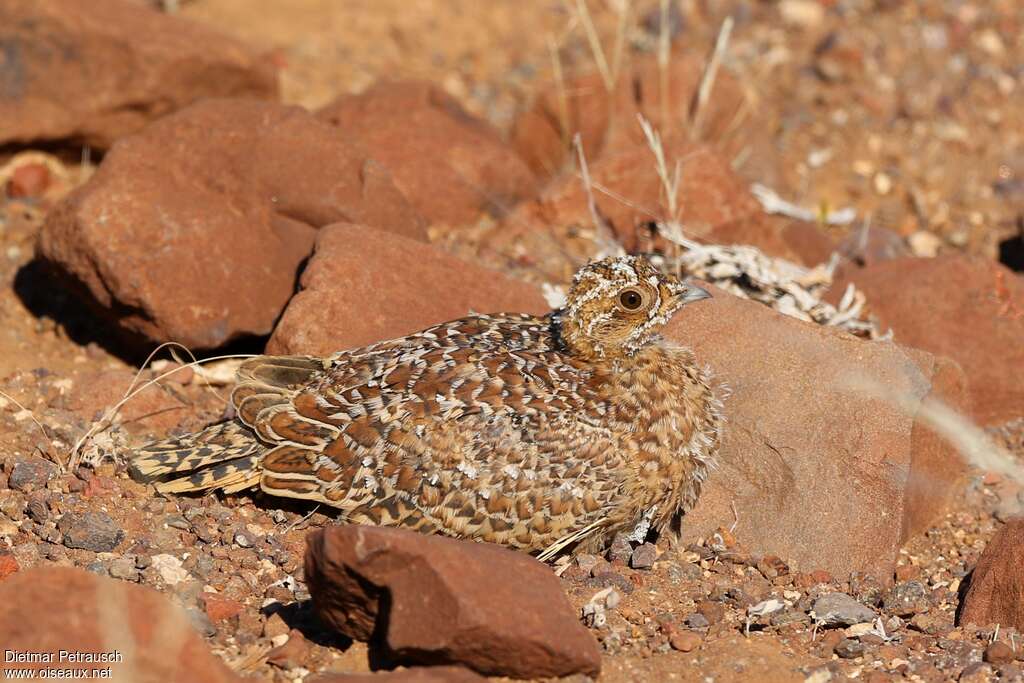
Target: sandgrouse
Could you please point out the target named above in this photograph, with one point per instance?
(530, 432)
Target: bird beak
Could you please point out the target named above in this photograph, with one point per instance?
(688, 293)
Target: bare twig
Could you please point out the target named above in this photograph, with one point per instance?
(108, 417)
(707, 79)
(595, 44)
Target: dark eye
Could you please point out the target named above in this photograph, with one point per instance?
(630, 299)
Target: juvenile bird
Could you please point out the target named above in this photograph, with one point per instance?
(536, 433)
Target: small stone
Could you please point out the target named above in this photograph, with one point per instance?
(977, 672)
(802, 13)
(28, 180)
(924, 244)
(998, 653)
(684, 641)
(713, 611)
(907, 572)
(219, 608)
(169, 568)
(31, 473)
(620, 549)
(906, 599)
(587, 562)
(882, 183)
(697, 621)
(275, 626)
(8, 566)
(124, 568)
(643, 556)
(848, 648)
(292, 653)
(94, 531)
(840, 609)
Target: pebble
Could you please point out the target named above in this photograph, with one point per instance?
(94, 531)
(643, 556)
(906, 599)
(998, 653)
(124, 568)
(848, 648)
(714, 612)
(620, 549)
(169, 569)
(697, 621)
(30, 473)
(840, 609)
(924, 244)
(684, 641)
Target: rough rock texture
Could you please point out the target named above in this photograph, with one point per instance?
(996, 591)
(494, 610)
(100, 70)
(364, 285)
(451, 165)
(416, 674)
(59, 608)
(967, 308)
(194, 229)
(819, 472)
(709, 195)
(543, 134)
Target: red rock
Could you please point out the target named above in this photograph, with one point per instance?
(28, 180)
(607, 121)
(684, 641)
(8, 566)
(795, 241)
(709, 195)
(996, 591)
(48, 609)
(194, 229)
(451, 165)
(966, 308)
(998, 653)
(152, 410)
(874, 246)
(416, 674)
(798, 439)
(100, 70)
(448, 601)
(292, 653)
(218, 608)
(364, 286)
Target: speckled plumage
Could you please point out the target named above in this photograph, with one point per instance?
(514, 429)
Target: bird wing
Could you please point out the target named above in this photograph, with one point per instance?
(478, 427)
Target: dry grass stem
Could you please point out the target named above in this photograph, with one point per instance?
(563, 95)
(664, 42)
(583, 13)
(771, 202)
(108, 418)
(28, 412)
(603, 238)
(707, 79)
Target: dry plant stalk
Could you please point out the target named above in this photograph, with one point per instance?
(707, 79)
(108, 419)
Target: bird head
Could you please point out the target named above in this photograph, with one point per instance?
(618, 305)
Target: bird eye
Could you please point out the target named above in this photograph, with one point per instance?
(630, 299)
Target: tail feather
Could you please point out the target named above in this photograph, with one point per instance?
(231, 476)
(216, 444)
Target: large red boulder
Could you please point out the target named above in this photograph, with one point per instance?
(996, 591)
(452, 166)
(146, 638)
(435, 600)
(194, 229)
(966, 308)
(364, 285)
(817, 466)
(100, 70)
